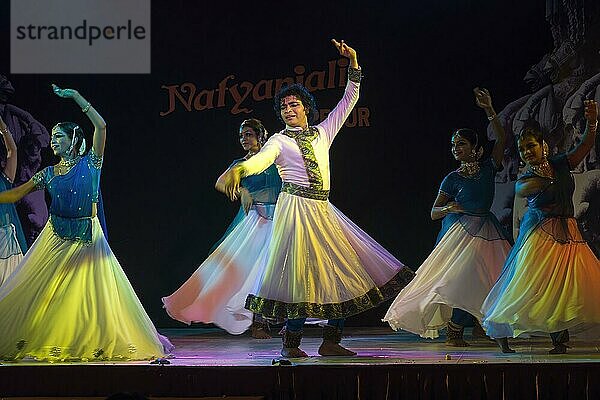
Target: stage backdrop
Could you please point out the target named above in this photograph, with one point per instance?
(173, 130)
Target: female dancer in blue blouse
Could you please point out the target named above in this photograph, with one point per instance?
(69, 298)
(454, 280)
(12, 239)
(216, 292)
(551, 279)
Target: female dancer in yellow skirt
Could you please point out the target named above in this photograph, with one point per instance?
(551, 279)
(69, 299)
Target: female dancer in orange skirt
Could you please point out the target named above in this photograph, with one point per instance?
(551, 278)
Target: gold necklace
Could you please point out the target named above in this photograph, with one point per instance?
(469, 168)
(543, 169)
(65, 165)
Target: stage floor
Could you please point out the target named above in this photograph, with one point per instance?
(201, 347)
(211, 347)
(208, 362)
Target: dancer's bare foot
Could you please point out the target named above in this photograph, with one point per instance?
(293, 352)
(329, 348)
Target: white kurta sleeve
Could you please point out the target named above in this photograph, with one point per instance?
(263, 159)
(336, 118)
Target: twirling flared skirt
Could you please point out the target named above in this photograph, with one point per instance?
(546, 287)
(322, 265)
(459, 273)
(217, 290)
(70, 300)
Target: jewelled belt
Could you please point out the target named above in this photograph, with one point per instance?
(71, 218)
(303, 191)
(72, 228)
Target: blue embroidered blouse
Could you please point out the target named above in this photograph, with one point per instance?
(72, 196)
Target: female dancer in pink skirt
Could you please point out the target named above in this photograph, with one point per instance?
(452, 283)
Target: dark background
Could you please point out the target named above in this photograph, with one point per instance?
(420, 59)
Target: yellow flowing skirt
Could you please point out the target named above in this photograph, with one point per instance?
(71, 301)
(321, 265)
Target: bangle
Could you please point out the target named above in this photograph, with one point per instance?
(593, 126)
(86, 108)
(491, 117)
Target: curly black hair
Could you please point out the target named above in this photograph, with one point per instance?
(301, 93)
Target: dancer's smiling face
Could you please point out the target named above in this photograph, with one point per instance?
(462, 149)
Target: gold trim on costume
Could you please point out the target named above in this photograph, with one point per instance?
(374, 297)
(303, 191)
(304, 141)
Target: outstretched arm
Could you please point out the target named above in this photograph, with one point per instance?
(99, 125)
(16, 194)
(10, 169)
(484, 100)
(577, 155)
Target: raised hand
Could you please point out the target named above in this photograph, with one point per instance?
(346, 51)
(578, 154)
(482, 97)
(591, 111)
(64, 93)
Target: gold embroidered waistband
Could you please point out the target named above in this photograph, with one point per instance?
(303, 191)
